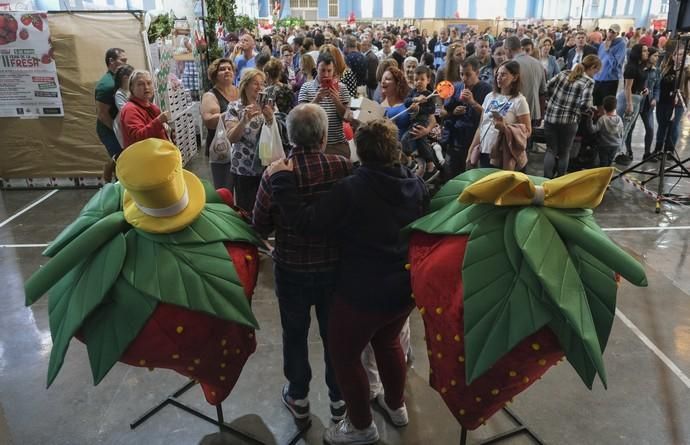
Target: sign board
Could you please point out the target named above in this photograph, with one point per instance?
(29, 85)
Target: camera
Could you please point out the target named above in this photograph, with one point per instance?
(267, 96)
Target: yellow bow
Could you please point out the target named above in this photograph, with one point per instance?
(583, 189)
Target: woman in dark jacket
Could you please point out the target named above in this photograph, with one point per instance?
(365, 212)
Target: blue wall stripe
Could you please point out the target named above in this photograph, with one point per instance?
(419, 9)
(378, 9)
(398, 8)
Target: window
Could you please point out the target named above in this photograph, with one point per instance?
(333, 8)
(491, 9)
(304, 4)
(408, 9)
(430, 8)
(367, 9)
(463, 10)
(520, 8)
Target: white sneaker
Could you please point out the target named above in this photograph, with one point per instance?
(344, 433)
(398, 416)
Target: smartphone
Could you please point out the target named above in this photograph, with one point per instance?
(261, 100)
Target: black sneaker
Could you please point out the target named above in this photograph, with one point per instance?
(338, 411)
(298, 407)
(623, 159)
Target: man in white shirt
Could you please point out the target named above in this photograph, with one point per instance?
(387, 49)
(581, 50)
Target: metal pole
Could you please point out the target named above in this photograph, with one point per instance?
(582, 12)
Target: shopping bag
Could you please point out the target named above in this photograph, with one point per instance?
(220, 149)
(270, 144)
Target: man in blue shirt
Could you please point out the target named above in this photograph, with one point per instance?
(246, 59)
(612, 55)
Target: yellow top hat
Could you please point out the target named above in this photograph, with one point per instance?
(159, 196)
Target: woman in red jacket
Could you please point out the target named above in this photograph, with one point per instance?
(140, 118)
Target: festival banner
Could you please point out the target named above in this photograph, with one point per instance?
(29, 85)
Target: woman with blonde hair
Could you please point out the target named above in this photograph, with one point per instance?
(570, 95)
(452, 69)
(243, 122)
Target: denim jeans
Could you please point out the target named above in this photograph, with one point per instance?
(669, 130)
(628, 119)
(109, 140)
(297, 292)
(559, 141)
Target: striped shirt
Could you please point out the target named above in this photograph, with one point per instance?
(335, 123)
(316, 173)
(568, 99)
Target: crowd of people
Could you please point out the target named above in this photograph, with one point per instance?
(337, 215)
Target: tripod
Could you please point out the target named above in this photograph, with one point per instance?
(677, 168)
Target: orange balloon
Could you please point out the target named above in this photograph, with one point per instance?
(445, 89)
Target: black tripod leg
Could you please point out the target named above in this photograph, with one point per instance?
(219, 414)
(660, 191)
(463, 436)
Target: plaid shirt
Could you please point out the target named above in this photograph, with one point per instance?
(568, 99)
(316, 173)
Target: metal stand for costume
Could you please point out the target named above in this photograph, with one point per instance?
(223, 427)
(676, 167)
(520, 428)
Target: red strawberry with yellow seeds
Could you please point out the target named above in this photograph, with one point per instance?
(26, 19)
(157, 290)
(506, 290)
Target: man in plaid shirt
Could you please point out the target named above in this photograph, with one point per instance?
(304, 267)
(570, 94)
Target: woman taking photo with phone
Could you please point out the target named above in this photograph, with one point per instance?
(505, 110)
(243, 123)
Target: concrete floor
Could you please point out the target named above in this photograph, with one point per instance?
(647, 402)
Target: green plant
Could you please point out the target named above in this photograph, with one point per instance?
(218, 12)
(244, 22)
(161, 27)
(290, 22)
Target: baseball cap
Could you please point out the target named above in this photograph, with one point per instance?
(400, 44)
(615, 27)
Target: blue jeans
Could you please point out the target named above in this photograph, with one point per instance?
(628, 119)
(297, 292)
(669, 130)
(108, 138)
(647, 118)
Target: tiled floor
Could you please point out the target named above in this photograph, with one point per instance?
(647, 401)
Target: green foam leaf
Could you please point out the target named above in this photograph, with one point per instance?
(108, 200)
(113, 325)
(501, 297)
(217, 222)
(199, 277)
(549, 260)
(78, 293)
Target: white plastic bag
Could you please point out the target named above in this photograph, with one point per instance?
(270, 144)
(220, 149)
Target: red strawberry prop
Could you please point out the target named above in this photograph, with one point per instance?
(24, 34)
(26, 19)
(177, 299)
(507, 289)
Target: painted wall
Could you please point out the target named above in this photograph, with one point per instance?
(641, 11)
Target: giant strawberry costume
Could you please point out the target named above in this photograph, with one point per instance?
(157, 271)
(511, 272)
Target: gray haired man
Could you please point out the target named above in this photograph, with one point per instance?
(304, 266)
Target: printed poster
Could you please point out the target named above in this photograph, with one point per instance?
(29, 85)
